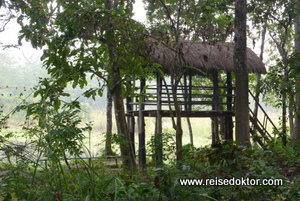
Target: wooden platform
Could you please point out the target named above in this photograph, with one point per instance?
(165, 113)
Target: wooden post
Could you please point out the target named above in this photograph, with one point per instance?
(186, 98)
(158, 132)
(229, 91)
(190, 90)
(215, 107)
(229, 101)
(131, 124)
(189, 105)
(141, 127)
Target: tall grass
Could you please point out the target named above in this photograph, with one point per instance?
(201, 129)
(95, 140)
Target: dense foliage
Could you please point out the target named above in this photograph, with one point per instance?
(29, 180)
(99, 40)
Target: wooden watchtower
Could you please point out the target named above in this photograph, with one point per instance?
(214, 100)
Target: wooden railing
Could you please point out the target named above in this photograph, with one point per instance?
(189, 98)
(260, 126)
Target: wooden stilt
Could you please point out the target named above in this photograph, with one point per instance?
(154, 107)
(158, 133)
(190, 91)
(216, 107)
(141, 128)
(229, 101)
(186, 96)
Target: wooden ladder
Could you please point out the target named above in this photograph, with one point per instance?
(258, 128)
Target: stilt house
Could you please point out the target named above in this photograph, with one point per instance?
(187, 60)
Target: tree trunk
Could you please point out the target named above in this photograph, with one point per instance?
(284, 101)
(127, 152)
(258, 76)
(291, 115)
(240, 64)
(178, 127)
(296, 134)
(108, 149)
(284, 116)
(190, 130)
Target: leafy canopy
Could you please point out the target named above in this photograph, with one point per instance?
(74, 38)
(210, 21)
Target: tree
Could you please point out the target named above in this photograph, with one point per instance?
(281, 36)
(296, 134)
(96, 37)
(279, 83)
(108, 137)
(240, 64)
(5, 18)
(115, 88)
(173, 21)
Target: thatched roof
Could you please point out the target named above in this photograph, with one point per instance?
(200, 56)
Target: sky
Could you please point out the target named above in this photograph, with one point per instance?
(139, 11)
(10, 35)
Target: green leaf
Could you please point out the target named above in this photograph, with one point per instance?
(100, 93)
(8, 197)
(56, 104)
(207, 196)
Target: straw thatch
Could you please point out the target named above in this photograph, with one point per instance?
(200, 57)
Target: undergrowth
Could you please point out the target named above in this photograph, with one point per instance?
(54, 133)
(84, 181)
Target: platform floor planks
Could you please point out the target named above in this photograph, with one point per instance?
(165, 113)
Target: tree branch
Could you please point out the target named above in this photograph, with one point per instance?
(6, 21)
(169, 16)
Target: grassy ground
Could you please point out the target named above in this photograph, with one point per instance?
(201, 132)
(95, 140)
(102, 180)
(22, 179)
(201, 129)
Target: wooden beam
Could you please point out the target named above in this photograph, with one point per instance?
(194, 114)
